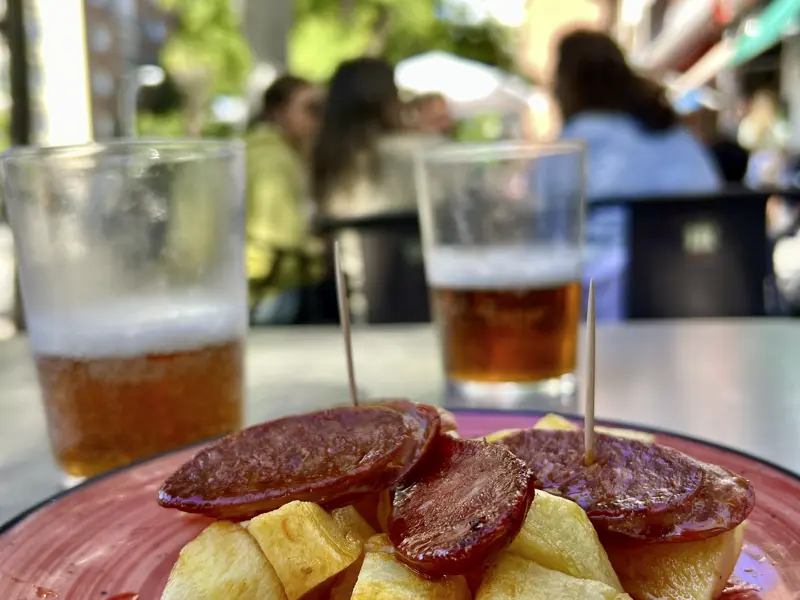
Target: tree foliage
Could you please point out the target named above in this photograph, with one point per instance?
(207, 54)
(208, 37)
(329, 31)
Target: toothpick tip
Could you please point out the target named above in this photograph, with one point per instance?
(589, 380)
(344, 320)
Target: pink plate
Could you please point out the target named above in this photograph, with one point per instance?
(109, 540)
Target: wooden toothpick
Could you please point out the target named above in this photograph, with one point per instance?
(344, 320)
(588, 382)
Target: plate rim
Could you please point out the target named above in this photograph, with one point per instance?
(41, 505)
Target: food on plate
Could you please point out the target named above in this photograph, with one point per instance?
(642, 436)
(341, 586)
(515, 515)
(424, 422)
(558, 535)
(261, 468)
(692, 570)
(554, 421)
(305, 545)
(375, 509)
(515, 578)
(635, 489)
(498, 435)
(224, 562)
(448, 420)
(383, 577)
(466, 502)
(352, 523)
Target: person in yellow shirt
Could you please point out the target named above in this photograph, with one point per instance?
(282, 255)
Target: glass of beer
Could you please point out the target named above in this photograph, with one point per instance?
(502, 228)
(131, 266)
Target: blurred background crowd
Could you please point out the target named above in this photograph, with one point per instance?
(333, 97)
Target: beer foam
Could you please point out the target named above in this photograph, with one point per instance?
(137, 327)
(502, 267)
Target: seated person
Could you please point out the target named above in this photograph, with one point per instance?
(635, 144)
(282, 256)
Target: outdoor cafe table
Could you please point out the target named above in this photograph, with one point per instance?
(733, 382)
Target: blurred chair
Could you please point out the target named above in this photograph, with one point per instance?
(394, 284)
(697, 256)
(690, 256)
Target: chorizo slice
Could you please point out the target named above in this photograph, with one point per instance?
(635, 489)
(318, 457)
(465, 502)
(424, 421)
(722, 503)
(424, 424)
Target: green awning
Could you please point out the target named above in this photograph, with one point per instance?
(766, 31)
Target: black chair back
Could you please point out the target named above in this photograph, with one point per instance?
(690, 256)
(701, 256)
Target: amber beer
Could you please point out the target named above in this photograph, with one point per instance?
(508, 323)
(112, 398)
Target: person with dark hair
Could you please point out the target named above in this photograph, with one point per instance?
(292, 105)
(635, 146)
(362, 108)
(362, 165)
(282, 256)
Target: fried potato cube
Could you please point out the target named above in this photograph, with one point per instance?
(516, 578)
(304, 544)
(558, 535)
(383, 577)
(223, 563)
(498, 435)
(356, 527)
(352, 523)
(554, 421)
(682, 571)
(631, 434)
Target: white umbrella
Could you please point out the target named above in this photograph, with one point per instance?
(470, 87)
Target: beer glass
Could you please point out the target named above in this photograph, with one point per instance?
(502, 227)
(131, 265)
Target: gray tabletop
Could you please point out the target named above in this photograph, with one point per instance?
(732, 382)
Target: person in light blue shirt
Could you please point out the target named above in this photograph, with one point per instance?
(635, 146)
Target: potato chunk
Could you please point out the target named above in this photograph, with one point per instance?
(631, 434)
(554, 421)
(683, 571)
(354, 526)
(498, 435)
(352, 523)
(515, 578)
(383, 577)
(558, 535)
(305, 545)
(223, 563)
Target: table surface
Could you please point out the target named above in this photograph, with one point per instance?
(733, 382)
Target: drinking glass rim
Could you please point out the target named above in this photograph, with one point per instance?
(466, 152)
(209, 147)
